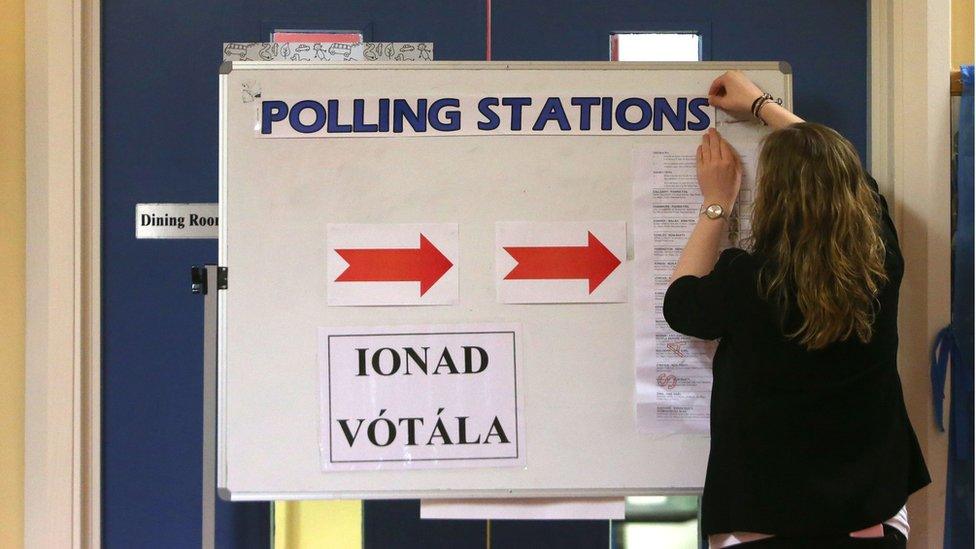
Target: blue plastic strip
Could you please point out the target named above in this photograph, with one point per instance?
(953, 350)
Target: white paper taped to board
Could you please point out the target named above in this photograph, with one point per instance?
(420, 397)
(572, 262)
(673, 372)
(392, 264)
(511, 114)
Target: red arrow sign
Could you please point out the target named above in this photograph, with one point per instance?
(593, 262)
(425, 264)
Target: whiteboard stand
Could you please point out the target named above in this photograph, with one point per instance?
(207, 280)
(278, 197)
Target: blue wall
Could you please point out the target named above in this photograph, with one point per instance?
(825, 41)
(159, 85)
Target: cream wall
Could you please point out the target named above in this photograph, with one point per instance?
(318, 525)
(962, 33)
(12, 244)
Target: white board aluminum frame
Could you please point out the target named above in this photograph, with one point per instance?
(225, 69)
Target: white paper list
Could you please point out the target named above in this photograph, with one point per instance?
(673, 372)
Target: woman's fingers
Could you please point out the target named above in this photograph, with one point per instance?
(705, 147)
(717, 91)
(727, 152)
(718, 101)
(723, 147)
(718, 86)
(734, 93)
(714, 147)
(714, 144)
(718, 172)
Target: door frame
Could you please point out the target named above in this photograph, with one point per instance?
(62, 479)
(909, 153)
(908, 104)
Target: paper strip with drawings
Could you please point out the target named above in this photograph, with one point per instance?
(382, 52)
(673, 371)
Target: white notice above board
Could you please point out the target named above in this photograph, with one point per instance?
(576, 362)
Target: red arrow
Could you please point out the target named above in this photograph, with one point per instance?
(593, 262)
(425, 264)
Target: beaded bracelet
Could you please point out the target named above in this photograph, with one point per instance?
(760, 102)
(778, 101)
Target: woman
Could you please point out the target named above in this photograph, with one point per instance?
(811, 444)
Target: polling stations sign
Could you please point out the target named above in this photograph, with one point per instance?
(420, 397)
(513, 114)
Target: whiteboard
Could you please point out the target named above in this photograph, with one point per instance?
(278, 195)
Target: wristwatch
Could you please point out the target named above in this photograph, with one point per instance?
(714, 211)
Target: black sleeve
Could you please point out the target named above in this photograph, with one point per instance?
(894, 262)
(699, 306)
(885, 215)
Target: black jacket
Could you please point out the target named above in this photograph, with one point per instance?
(802, 442)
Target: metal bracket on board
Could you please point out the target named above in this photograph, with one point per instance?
(198, 279)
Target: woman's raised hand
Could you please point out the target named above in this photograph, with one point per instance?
(734, 93)
(719, 170)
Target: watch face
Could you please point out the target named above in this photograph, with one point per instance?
(714, 211)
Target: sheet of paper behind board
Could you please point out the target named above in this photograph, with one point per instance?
(524, 509)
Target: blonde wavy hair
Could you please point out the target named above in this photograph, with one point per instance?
(816, 228)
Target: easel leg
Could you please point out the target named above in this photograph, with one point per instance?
(208, 531)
